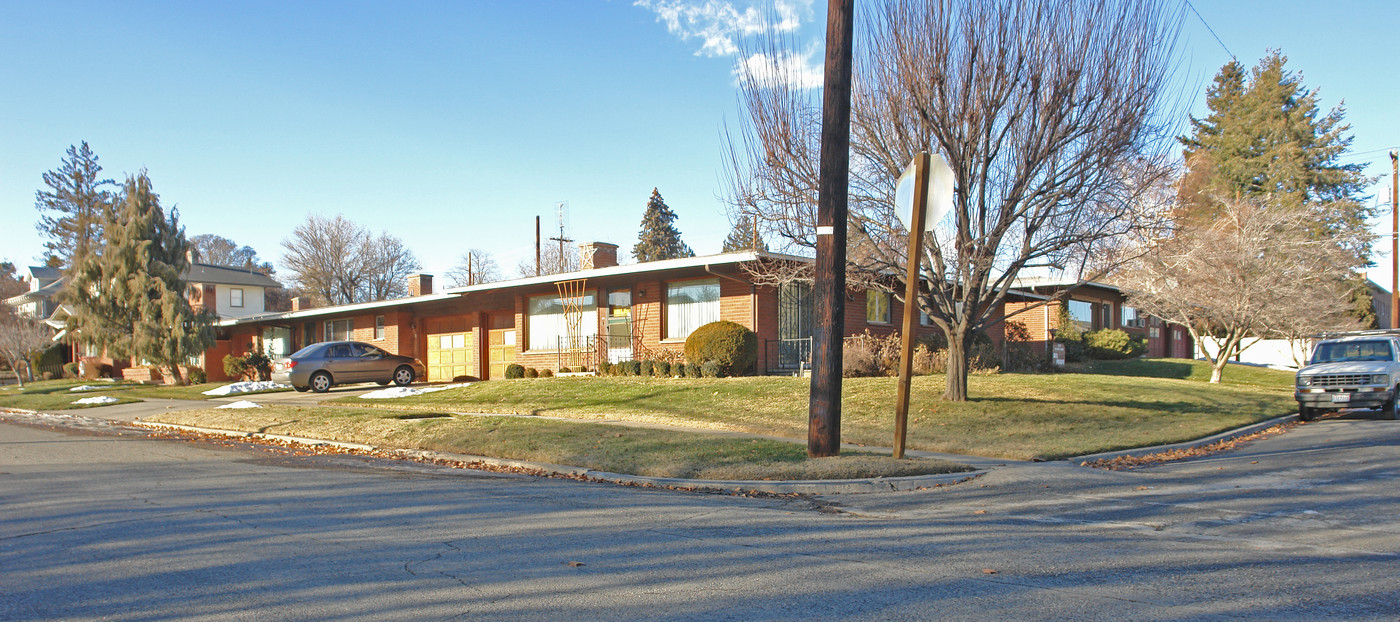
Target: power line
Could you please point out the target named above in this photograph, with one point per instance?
(1209, 29)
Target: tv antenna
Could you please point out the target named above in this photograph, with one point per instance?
(562, 208)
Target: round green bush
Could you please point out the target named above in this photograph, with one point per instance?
(515, 370)
(662, 369)
(647, 368)
(634, 368)
(1111, 343)
(692, 370)
(679, 370)
(605, 368)
(732, 346)
(531, 372)
(197, 375)
(546, 373)
(70, 370)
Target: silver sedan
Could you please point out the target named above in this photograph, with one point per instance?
(321, 366)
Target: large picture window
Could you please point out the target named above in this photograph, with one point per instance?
(1082, 314)
(548, 326)
(339, 330)
(690, 305)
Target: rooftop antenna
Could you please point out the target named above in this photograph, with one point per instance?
(562, 262)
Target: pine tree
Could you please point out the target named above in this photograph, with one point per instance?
(130, 298)
(74, 208)
(744, 236)
(659, 238)
(1265, 138)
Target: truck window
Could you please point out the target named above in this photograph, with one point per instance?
(1353, 351)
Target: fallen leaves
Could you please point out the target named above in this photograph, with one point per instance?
(1123, 463)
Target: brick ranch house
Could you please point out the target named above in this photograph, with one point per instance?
(607, 311)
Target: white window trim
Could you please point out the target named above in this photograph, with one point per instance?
(698, 318)
(378, 328)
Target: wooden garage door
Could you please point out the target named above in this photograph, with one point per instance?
(501, 351)
(450, 349)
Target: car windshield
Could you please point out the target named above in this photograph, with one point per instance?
(1352, 351)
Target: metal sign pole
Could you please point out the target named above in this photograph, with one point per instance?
(911, 300)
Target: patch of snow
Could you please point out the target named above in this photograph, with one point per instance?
(89, 387)
(242, 404)
(100, 399)
(393, 392)
(244, 387)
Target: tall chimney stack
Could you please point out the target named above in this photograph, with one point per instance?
(597, 255)
(420, 284)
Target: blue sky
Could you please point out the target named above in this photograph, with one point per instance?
(453, 124)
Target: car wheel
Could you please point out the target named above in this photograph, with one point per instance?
(403, 376)
(1307, 414)
(300, 389)
(382, 383)
(1388, 410)
(320, 382)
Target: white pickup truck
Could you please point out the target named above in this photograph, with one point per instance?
(1359, 370)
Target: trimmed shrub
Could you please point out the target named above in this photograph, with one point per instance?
(515, 370)
(710, 369)
(679, 370)
(1112, 344)
(546, 373)
(647, 368)
(105, 371)
(605, 368)
(662, 369)
(48, 359)
(465, 378)
(235, 367)
(48, 375)
(197, 375)
(692, 370)
(70, 370)
(730, 345)
(633, 368)
(531, 372)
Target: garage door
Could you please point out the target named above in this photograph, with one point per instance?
(450, 349)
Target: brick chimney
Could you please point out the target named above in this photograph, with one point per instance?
(301, 303)
(597, 255)
(420, 284)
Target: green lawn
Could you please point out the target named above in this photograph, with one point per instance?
(612, 448)
(57, 394)
(1020, 416)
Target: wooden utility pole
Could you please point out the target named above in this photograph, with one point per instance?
(829, 290)
(537, 245)
(1395, 240)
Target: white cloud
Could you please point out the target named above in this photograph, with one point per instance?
(794, 70)
(718, 24)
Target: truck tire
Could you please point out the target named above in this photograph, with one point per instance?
(1306, 414)
(1388, 408)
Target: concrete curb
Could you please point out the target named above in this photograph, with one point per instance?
(1143, 451)
(811, 487)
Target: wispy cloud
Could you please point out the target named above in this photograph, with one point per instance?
(718, 24)
(803, 71)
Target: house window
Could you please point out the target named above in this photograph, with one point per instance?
(339, 330)
(378, 327)
(690, 305)
(1131, 317)
(877, 307)
(235, 297)
(547, 323)
(1081, 314)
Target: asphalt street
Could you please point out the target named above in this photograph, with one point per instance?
(101, 525)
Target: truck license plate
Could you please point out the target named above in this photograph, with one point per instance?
(1341, 397)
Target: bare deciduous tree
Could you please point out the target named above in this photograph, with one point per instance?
(553, 260)
(1049, 112)
(339, 262)
(1252, 272)
(474, 267)
(19, 338)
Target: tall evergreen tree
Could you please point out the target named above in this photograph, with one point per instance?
(72, 211)
(1265, 137)
(130, 298)
(744, 236)
(659, 238)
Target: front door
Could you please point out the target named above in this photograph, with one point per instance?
(500, 351)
